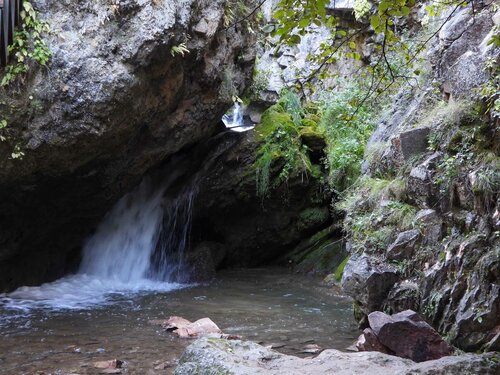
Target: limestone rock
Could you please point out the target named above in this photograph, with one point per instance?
(199, 328)
(408, 336)
(214, 356)
(426, 216)
(175, 322)
(421, 188)
(431, 226)
(403, 296)
(111, 364)
(112, 104)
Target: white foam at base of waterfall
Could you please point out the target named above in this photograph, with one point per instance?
(77, 292)
(117, 259)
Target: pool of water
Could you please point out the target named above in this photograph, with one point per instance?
(270, 306)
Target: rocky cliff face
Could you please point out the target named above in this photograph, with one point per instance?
(114, 102)
(245, 229)
(423, 222)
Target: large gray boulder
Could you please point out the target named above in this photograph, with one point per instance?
(212, 356)
(368, 281)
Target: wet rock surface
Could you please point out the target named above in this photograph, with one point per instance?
(242, 228)
(207, 355)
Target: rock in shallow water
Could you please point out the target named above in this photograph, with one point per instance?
(216, 356)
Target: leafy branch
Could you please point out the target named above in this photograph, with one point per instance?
(294, 17)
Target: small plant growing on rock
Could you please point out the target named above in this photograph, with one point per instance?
(179, 49)
(28, 45)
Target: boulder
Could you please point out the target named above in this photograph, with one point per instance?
(411, 142)
(408, 336)
(426, 216)
(175, 322)
(368, 281)
(218, 356)
(403, 296)
(199, 328)
(208, 356)
(421, 189)
(368, 342)
(111, 364)
(404, 246)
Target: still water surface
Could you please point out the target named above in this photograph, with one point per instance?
(271, 306)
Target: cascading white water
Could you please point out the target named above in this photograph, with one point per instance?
(138, 247)
(124, 243)
(167, 262)
(234, 120)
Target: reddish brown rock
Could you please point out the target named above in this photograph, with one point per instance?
(408, 336)
(368, 342)
(175, 322)
(109, 367)
(111, 364)
(201, 327)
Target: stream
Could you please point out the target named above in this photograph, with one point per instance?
(133, 271)
(270, 306)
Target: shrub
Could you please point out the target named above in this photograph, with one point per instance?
(282, 147)
(347, 123)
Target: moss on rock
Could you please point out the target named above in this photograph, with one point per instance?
(312, 217)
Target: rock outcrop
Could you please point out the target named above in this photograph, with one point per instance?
(242, 228)
(436, 227)
(234, 357)
(115, 101)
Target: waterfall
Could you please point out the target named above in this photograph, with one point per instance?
(139, 246)
(167, 262)
(124, 242)
(234, 121)
(141, 238)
